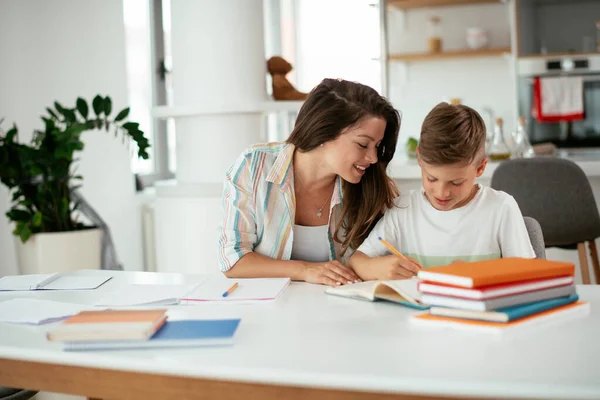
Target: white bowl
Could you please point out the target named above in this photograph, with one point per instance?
(477, 38)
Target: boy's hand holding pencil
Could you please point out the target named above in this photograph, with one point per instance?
(396, 266)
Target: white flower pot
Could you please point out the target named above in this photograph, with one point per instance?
(46, 253)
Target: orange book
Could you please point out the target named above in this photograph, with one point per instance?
(559, 314)
(494, 272)
(109, 325)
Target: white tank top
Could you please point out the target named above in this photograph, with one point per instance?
(311, 243)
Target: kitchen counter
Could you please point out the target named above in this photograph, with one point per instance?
(404, 168)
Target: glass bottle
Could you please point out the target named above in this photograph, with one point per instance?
(499, 149)
(523, 147)
(598, 35)
(434, 38)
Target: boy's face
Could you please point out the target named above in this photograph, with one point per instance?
(448, 187)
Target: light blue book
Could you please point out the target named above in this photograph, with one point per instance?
(506, 314)
(186, 333)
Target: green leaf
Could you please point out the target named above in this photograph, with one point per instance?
(52, 113)
(131, 126)
(82, 107)
(37, 219)
(107, 105)
(16, 195)
(98, 104)
(49, 124)
(70, 115)
(17, 214)
(22, 231)
(11, 134)
(58, 107)
(122, 114)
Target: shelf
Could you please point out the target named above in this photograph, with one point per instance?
(560, 55)
(408, 4)
(215, 109)
(447, 55)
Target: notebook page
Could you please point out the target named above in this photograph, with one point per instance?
(248, 289)
(406, 287)
(140, 295)
(66, 282)
(23, 282)
(35, 311)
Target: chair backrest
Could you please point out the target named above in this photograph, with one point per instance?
(7, 393)
(536, 237)
(555, 192)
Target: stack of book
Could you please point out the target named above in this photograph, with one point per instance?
(130, 329)
(499, 293)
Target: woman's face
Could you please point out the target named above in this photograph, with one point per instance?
(352, 152)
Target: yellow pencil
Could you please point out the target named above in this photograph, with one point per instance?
(231, 289)
(392, 248)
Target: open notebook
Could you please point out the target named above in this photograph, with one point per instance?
(55, 281)
(398, 291)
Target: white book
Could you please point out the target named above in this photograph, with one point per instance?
(57, 281)
(493, 291)
(147, 295)
(499, 302)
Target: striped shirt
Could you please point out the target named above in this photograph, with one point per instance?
(259, 205)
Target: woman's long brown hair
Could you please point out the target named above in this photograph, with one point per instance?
(331, 107)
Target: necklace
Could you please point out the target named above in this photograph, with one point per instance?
(319, 212)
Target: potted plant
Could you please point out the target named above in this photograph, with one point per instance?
(41, 179)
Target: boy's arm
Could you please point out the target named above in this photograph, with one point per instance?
(513, 237)
(371, 260)
(362, 265)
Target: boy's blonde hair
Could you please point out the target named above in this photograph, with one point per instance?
(452, 134)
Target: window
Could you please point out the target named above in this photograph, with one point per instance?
(147, 30)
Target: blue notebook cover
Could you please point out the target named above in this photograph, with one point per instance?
(523, 310)
(185, 333)
(506, 314)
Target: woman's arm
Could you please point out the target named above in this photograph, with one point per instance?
(254, 265)
(238, 238)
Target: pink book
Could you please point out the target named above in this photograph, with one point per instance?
(494, 291)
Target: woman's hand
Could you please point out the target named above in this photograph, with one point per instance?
(394, 267)
(332, 273)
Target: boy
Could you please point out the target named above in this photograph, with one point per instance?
(451, 219)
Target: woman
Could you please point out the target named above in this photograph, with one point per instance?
(293, 209)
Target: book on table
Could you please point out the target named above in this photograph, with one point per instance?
(397, 291)
(560, 314)
(180, 333)
(505, 314)
(109, 325)
(498, 302)
(56, 281)
(495, 272)
(494, 291)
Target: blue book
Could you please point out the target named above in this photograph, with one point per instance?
(506, 314)
(185, 333)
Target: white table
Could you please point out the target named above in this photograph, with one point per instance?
(307, 343)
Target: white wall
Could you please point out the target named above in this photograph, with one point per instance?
(414, 88)
(58, 50)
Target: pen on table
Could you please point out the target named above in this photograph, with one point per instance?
(392, 248)
(230, 290)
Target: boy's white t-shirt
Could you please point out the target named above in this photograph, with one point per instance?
(490, 226)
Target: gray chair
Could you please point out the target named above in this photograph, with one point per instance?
(7, 393)
(536, 236)
(557, 193)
